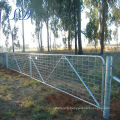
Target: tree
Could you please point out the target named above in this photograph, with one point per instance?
(79, 26)
(22, 7)
(6, 8)
(92, 27)
(102, 18)
(40, 12)
(116, 19)
(58, 15)
(103, 23)
(75, 25)
(38, 32)
(48, 14)
(37, 15)
(69, 13)
(14, 32)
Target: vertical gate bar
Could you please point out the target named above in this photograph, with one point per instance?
(103, 85)
(6, 60)
(30, 66)
(108, 77)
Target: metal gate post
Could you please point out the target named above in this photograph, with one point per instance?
(30, 66)
(6, 60)
(108, 77)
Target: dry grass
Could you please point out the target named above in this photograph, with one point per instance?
(22, 98)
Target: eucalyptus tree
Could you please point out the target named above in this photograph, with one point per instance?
(54, 28)
(14, 36)
(116, 19)
(75, 24)
(5, 8)
(100, 17)
(46, 5)
(37, 15)
(10, 30)
(6, 30)
(57, 15)
(40, 13)
(6, 26)
(69, 14)
(66, 16)
(21, 4)
(92, 28)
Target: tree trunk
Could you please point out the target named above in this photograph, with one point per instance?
(38, 36)
(54, 43)
(69, 34)
(103, 26)
(50, 41)
(13, 42)
(23, 33)
(41, 48)
(39, 40)
(23, 26)
(117, 35)
(75, 22)
(48, 36)
(79, 28)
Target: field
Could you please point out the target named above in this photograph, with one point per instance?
(22, 98)
(86, 50)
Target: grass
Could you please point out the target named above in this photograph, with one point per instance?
(22, 98)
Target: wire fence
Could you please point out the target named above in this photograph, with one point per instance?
(80, 76)
(85, 77)
(115, 87)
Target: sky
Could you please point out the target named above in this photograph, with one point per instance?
(30, 28)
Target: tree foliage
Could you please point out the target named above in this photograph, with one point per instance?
(100, 17)
(6, 9)
(65, 15)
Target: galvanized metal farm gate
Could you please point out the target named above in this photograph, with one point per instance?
(85, 77)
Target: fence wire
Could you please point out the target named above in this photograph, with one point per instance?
(79, 76)
(115, 86)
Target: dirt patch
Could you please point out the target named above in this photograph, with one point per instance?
(115, 110)
(62, 100)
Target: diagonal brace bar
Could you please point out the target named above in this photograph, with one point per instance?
(37, 70)
(82, 81)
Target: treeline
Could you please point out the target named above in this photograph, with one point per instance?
(66, 15)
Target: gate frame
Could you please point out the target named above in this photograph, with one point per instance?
(106, 84)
